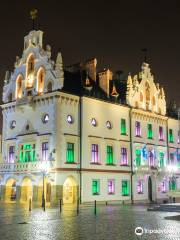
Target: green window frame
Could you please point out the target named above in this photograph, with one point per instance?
(95, 187)
(109, 153)
(138, 157)
(125, 187)
(172, 185)
(150, 131)
(27, 153)
(70, 153)
(171, 136)
(123, 126)
(161, 159)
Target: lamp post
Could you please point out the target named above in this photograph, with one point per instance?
(44, 167)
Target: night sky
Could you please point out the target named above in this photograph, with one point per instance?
(112, 31)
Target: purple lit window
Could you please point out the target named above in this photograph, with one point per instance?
(11, 154)
(151, 159)
(138, 129)
(45, 151)
(161, 134)
(163, 187)
(171, 158)
(140, 186)
(94, 152)
(124, 158)
(111, 187)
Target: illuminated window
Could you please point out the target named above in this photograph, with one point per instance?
(11, 155)
(19, 86)
(172, 184)
(45, 118)
(125, 188)
(138, 129)
(141, 97)
(161, 159)
(27, 153)
(161, 133)
(150, 132)
(95, 187)
(45, 151)
(70, 153)
(153, 101)
(70, 119)
(140, 186)
(12, 124)
(40, 80)
(30, 71)
(164, 186)
(111, 186)
(109, 153)
(151, 159)
(171, 136)
(123, 126)
(94, 153)
(138, 157)
(171, 158)
(124, 157)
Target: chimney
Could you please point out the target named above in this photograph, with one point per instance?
(104, 78)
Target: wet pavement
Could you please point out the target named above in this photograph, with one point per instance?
(111, 222)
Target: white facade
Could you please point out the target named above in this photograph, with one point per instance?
(92, 149)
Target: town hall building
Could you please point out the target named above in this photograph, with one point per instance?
(76, 133)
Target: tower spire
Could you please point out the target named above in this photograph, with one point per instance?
(33, 16)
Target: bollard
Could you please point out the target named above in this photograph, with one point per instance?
(77, 206)
(60, 206)
(95, 207)
(30, 203)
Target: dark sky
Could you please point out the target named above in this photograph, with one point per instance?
(113, 31)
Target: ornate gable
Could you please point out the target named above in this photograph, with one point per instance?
(143, 93)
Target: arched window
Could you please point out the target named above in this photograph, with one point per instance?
(49, 87)
(19, 87)
(141, 97)
(40, 80)
(147, 92)
(153, 101)
(30, 71)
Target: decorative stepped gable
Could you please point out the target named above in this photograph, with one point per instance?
(35, 73)
(143, 93)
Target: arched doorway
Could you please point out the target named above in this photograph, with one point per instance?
(26, 190)
(69, 190)
(150, 189)
(47, 191)
(10, 193)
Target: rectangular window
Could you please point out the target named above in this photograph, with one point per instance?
(95, 187)
(140, 186)
(161, 133)
(70, 153)
(151, 159)
(178, 141)
(178, 159)
(171, 158)
(163, 186)
(45, 151)
(109, 153)
(138, 157)
(11, 155)
(125, 188)
(171, 136)
(94, 153)
(150, 132)
(123, 126)
(161, 159)
(172, 184)
(124, 158)
(138, 129)
(27, 153)
(111, 186)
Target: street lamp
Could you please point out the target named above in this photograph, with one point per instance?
(44, 167)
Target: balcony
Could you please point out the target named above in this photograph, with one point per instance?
(22, 167)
